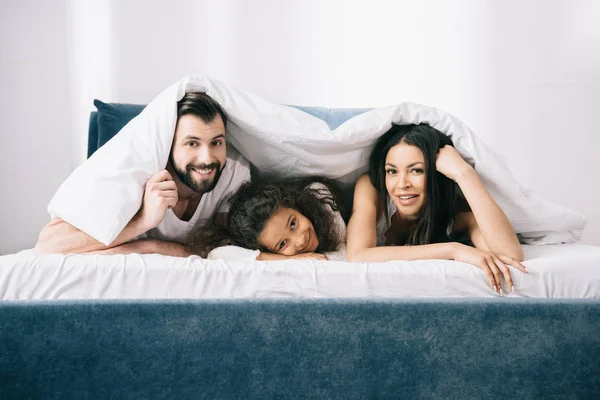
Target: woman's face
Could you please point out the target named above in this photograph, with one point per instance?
(288, 232)
(405, 179)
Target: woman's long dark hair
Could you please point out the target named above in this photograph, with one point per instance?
(435, 222)
(255, 203)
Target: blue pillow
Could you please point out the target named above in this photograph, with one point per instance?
(333, 117)
(111, 118)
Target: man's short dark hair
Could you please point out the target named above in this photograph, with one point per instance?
(202, 106)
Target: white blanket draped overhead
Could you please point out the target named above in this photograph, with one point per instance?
(104, 193)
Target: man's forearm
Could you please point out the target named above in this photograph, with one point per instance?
(61, 237)
(147, 246)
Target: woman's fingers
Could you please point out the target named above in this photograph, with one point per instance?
(500, 263)
(496, 272)
(505, 272)
(514, 263)
(488, 275)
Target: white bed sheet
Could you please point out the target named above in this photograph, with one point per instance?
(557, 271)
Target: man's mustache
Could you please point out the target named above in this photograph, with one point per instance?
(203, 166)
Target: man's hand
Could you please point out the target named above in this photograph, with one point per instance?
(160, 194)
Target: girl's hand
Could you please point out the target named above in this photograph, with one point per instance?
(450, 163)
(266, 256)
(305, 256)
(493, 265)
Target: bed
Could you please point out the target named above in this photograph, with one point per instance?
(151, 326)
(557, 271)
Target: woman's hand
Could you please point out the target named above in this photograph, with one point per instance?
(450, 163)
(493, 265)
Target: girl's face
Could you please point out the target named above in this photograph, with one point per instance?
(288, 232)
(405, 179)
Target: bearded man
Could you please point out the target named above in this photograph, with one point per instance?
(201, 173)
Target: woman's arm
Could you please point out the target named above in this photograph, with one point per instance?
(361, 243)
(489, 219)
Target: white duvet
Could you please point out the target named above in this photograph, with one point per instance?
(102, 195)
(557, 271)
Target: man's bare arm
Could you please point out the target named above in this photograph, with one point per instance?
(61, 237)
(147, 246)
(160, 193)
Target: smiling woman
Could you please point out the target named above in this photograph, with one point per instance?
(409, 198)
(297, 218)
(425, 201)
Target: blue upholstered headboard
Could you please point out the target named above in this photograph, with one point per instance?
(108, 121)
(112, 117)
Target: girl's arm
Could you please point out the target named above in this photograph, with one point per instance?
(265, 256)
(488, 225)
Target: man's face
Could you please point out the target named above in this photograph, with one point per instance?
(199, 153)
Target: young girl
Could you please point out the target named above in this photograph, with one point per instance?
(409, 200)
(291, 219)
(277, 220)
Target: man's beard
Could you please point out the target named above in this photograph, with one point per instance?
(202, 185)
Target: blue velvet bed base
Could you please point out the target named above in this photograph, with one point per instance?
(300, 349)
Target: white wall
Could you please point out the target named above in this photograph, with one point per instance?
(525, 75)
(35, 146)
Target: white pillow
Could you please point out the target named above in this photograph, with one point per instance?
(233, 253)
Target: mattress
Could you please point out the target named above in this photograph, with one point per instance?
(557, 271)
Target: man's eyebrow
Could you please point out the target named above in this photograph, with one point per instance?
(188, 137)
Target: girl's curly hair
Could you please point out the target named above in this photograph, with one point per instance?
(255, 203)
